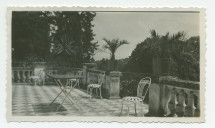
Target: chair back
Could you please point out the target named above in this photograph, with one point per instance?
(80, 73)
(143, 87)
(101, 78)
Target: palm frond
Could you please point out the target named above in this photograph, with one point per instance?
(154, 34)
(64, 45)
(113, 45)
(178, 36)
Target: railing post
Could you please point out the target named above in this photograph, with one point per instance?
(174, 101)
(18, 76)
(84, 69)
(114, 87)
(190, 105)
(13, 76)
(23, 76)
(181, 103)
(167, 97)
(28, 76)
(154, 99)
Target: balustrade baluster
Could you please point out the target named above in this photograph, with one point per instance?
(174, 101)
(190, 105)
(167, 100)
(13, 80)
(28, 76)
(198, 100)
(23, 76)
(181, 103)
(18, 76)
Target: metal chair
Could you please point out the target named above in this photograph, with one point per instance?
(142, 90)
(38, 77)
(96, 86)
(71, 81)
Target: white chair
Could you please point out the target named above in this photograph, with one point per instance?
(96, 86)
(38, 77)
(142, 90)
(71, 81)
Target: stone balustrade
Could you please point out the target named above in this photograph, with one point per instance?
(64, 70)
(21, 74)
(170, 96)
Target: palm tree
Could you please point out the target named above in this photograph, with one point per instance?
(167, 41)
(65, 50)
(63, 46)
(165, 47)
(112, 46)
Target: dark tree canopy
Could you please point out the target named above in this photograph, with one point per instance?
(72, 31)
(34, 34)
(184, 54)
(30, 31)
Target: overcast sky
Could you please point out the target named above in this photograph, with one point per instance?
(135, 26)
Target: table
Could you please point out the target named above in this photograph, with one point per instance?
(57, 79)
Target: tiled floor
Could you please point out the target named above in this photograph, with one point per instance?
(34, 101)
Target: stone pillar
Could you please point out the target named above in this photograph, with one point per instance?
(84, 69)
(154, 99)
(114, 87)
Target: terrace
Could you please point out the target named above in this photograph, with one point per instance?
(167, 96)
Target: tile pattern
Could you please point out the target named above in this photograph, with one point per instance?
(34, 101)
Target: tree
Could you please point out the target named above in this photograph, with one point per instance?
(164, 44)
(112, 46)
(72, 36)
(184, 54)
(30, 32)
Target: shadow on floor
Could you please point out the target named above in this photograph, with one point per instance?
(46, 107)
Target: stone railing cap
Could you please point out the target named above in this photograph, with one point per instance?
(115, 73)
(174, 81)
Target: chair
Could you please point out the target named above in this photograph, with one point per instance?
(96, 86)
(70, 81)
(142, 90)
(39, 76)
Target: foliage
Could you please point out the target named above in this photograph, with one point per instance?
(103, 64)
(129, 83)
(29, 35)
(112, 46)
(72, 36)
(64, 38)
(184, 54)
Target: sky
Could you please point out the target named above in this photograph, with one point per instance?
(135, 27)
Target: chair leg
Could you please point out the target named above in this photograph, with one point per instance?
(96, 91)
(43, 82)
(135, 109)
(35, 82)
(141, 105)
(128, 111)
(100, 90)
(78, 83)
(121, 109)
(91, 89)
